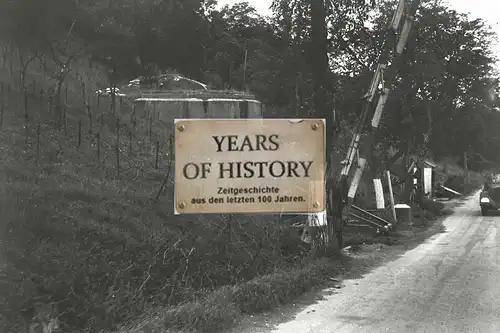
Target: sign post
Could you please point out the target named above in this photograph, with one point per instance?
(249, 166)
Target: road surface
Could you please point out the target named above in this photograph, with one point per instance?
(449, 284)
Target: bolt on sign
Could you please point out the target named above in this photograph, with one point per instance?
(249, 166)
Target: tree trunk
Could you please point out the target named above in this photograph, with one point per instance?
(322, 99)
(319, 59)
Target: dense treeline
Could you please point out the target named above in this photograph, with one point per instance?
(105, 260)
(447, 81)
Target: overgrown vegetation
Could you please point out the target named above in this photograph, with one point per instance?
(77, 231)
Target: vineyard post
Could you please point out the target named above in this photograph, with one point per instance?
(134, 119)
(59, 118)
(83, 93)
(150, 128)
(157, 154)
(37, 143)
(34, 87)
(89, 114)
(167, 176)
(79, 133)
(98, 146)
(50, 105)
(26, 114)
(1, 115)
(130, 142)
(118, 145)
(65, 119)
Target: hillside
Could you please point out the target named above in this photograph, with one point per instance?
(86, 216)
(93, 238)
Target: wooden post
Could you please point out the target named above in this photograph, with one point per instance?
(157, 154)
(65, 119)
(113, 101)
(130, 142)
(59, 115)
(391, 196)
(98, 135)
(102, 116)
(79, 133)
(50, 105)
(66, 95)
(37, 142)
(118, 145)
(83, 93)
(26, 115)
(150, 128)
(1, 115)
(89, 114)
(34, 87)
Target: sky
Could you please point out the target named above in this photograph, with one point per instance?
(485, 9)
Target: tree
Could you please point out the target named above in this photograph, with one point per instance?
(445, 82)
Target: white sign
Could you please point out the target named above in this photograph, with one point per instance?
(249, 166)
(379, 193)
(428, 181)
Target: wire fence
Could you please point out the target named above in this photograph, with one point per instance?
(107, 129)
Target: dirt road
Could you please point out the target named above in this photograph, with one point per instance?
(451, 283)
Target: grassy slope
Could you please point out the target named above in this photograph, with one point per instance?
(76, 233)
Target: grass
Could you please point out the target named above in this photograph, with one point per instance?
(79, 235)
(76, 233)
(226, 306)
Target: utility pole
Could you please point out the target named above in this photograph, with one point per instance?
(361, 147)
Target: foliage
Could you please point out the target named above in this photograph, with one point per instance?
(447, 80)
(104, 253)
